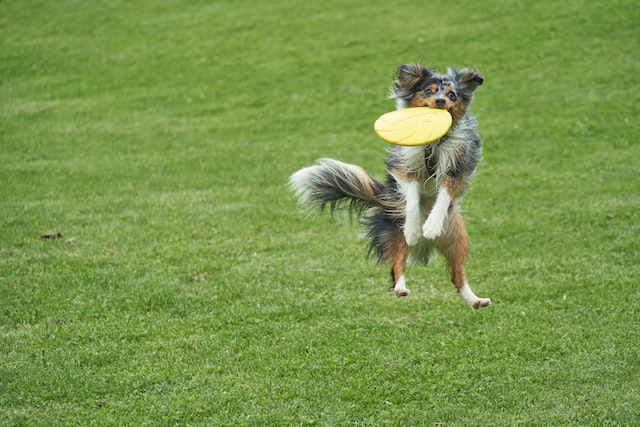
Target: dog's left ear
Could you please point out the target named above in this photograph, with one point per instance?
(470, 78)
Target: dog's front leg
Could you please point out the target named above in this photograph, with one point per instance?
(413, 218)
(434, 225)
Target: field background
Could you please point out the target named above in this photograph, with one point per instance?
(187, 288)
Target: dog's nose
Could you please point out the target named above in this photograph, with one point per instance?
(440, 102)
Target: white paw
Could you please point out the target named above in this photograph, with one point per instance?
(480, 302)
(412, 235)
(432, 229)
(470, 298)
(400, 288)
(402, 292)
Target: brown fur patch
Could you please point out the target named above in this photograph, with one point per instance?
(366, 183)
(456, 110)
(397, 254)
(454, 184)
(403, 175)
(454, 247)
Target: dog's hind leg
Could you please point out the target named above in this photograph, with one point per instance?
(397, 253)
(454, 245)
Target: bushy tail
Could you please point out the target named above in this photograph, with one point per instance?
(337, 184)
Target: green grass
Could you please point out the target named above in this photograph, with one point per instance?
(189, 289)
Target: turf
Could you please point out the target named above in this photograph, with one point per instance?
(155, 269)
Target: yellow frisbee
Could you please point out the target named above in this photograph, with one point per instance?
(413, 126)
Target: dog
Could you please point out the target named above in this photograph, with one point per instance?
(417, 211)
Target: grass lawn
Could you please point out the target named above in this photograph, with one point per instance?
(155, 269)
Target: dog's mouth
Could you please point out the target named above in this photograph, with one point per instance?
(444, 108)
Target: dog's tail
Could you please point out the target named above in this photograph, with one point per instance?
(340, 185)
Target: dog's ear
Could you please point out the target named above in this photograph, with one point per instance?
(408, 78)
(470, 78)
(409, 75)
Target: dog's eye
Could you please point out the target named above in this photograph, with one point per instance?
(428, 92)
(452, 96)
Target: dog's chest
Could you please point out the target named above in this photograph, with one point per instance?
(435, 160)
(429, 188)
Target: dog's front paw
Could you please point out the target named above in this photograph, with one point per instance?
(412, 235)
(432, 229)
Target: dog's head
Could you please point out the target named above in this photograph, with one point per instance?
(418, 86)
